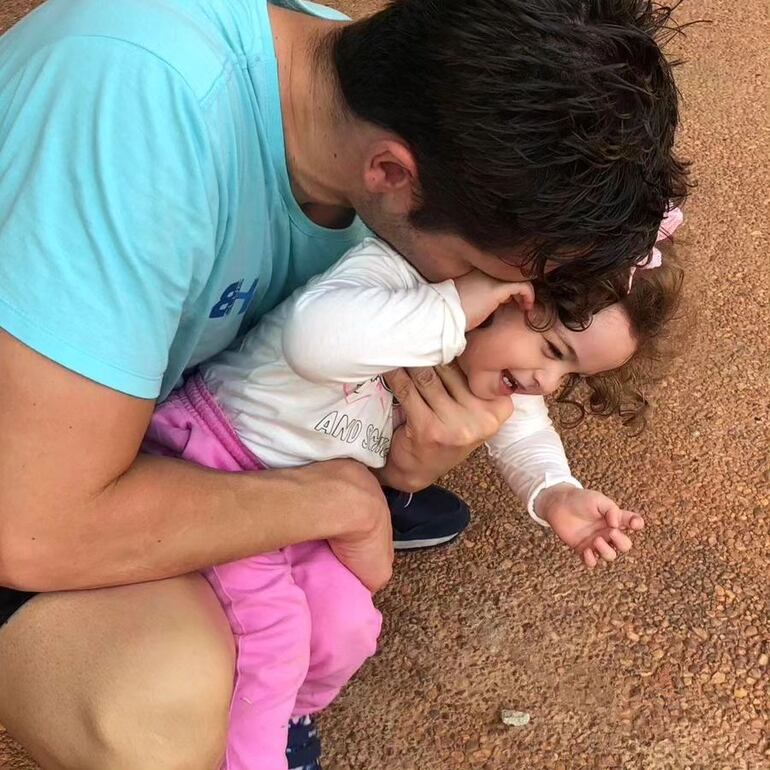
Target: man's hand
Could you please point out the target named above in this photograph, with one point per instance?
(480, 295)
(367, 549)
(445, 422)
(588, 522)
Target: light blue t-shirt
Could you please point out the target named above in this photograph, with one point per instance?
(146, 214)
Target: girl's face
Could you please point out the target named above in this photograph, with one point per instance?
(505, 356)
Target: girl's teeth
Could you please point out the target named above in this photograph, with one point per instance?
(507, 381)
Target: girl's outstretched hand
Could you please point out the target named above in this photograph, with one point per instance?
(590, 523)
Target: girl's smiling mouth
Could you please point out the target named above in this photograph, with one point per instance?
(509, 384)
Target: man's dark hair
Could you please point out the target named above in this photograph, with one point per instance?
(545, 125)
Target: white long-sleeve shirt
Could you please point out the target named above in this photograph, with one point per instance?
(306, 383)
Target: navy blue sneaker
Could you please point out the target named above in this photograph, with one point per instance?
(431, 517)
(303, 748)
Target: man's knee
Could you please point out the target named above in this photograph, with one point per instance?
(174, 717)
(185, 735)
(131, 678)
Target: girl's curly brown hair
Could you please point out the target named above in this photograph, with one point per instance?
(651, 304)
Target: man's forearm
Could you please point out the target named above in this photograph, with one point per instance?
(166, 517)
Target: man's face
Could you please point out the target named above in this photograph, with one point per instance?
(386, 198)
(441, 256)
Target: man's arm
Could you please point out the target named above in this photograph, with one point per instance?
(78, 509)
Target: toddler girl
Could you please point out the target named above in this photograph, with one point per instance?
(306, 385)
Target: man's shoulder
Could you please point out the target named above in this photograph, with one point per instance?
(184, 35)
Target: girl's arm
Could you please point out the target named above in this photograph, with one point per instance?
(370, 314)
(529, 454)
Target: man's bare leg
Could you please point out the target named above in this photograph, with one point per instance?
(129, 678)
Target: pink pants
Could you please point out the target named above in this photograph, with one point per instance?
(302, 622)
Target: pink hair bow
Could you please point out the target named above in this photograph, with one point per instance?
(671, 221)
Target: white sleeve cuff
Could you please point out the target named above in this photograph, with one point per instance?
(549, 480)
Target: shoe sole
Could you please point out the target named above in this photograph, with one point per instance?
(410, 545)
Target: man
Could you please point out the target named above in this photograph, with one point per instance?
(168, 172)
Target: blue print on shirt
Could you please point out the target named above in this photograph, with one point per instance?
(230, 296)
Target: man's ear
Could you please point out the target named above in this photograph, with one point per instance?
(391, 172)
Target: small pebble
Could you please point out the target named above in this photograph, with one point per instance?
(514, 718)
(480, 755)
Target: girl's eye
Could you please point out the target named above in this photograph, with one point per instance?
(555, 352)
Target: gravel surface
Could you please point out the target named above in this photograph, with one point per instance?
(660, 661)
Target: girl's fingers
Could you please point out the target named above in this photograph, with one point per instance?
(612, 515)
(589, 558)
(629, 520)
(523, 292)
(616, 517)
(604, 549)
(620, 541)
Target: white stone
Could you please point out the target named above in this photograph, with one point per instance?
(514, 718)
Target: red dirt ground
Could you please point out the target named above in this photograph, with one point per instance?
(661, 660)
